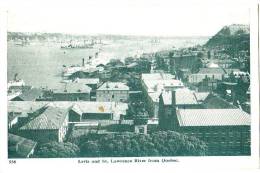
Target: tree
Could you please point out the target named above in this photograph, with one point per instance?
(57, 150)
(90, 149)
(161, 143)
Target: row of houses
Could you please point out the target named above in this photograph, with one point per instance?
(214, 72)
(79, 90)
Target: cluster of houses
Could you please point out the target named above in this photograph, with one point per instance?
(172, 103)
(223, 126)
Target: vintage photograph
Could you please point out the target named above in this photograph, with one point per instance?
(129, 81)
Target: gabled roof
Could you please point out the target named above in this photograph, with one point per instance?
(30, 95)
(183, 96)
(216, 102)
(51, 118)
(213, 117)
(19, 146)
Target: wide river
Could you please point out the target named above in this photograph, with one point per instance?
(40, 64)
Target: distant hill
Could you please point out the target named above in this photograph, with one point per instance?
(232, 38)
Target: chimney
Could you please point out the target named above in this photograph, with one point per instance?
(83, 62)
(173, 120)
(174, 98)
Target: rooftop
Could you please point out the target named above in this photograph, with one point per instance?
(78, 106)
(213, 117)
(98, 107)
(19, 146)
(51, 118)
(159, 85)
(183, 96)
(114, 86)
(157, 76)
(72, 88)
(22, 108)
(30, 95)
(87, 81)
(216, 102)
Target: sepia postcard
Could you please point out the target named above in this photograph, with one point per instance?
(109, 85)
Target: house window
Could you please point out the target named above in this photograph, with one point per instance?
(141, 129)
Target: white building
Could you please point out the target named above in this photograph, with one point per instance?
(113, 92)
(210, 73)
(153, 85)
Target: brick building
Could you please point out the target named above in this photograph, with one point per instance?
(225, 131)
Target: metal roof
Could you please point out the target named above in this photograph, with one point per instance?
(213, 117)
(51, 118)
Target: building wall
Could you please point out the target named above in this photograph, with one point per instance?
(196, 78)
(12, 123)
(63, 130)
(74, 117)
(112, 96)
(97, 116)
(222, 140)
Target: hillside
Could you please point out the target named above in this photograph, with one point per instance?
(232, 38)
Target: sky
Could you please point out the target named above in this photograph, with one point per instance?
(151, 18)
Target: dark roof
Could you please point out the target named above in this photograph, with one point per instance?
(30, 95)
(72, 88)
(216, 102)
(213, 117)
(51, 118)
(19, 147)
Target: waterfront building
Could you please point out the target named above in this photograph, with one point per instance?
(113, 92)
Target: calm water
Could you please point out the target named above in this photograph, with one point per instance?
(40, 64)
